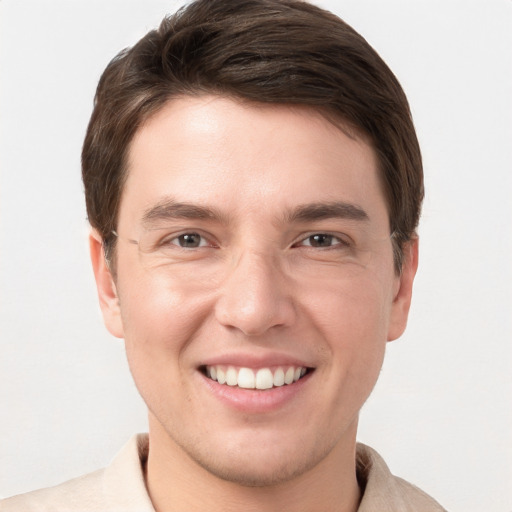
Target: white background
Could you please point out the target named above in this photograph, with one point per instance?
(441, 414)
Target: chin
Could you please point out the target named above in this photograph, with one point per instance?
(249, 471)
(260, 459)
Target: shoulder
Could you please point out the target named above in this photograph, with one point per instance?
(83, 493)
(385, 492)
(119, 487)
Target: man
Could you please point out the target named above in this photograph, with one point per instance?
(254, 183)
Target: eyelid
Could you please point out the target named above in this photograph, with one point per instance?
(170, 239)
(343, 238)
(203, 242)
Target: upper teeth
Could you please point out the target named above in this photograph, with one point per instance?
(264, 378)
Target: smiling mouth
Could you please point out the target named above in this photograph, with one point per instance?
(261, 379)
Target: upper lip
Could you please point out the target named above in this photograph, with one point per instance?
(256, 361)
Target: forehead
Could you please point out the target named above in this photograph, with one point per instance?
(240, 156)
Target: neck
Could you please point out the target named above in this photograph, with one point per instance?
(175, 483)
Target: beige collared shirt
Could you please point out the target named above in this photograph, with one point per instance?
(120, 488)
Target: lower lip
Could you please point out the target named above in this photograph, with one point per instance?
(256, 401)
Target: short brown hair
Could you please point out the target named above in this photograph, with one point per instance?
(266, 51)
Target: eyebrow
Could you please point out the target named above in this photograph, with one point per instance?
(332, 210)
(169, 208)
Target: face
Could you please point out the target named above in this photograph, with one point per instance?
(255, 285)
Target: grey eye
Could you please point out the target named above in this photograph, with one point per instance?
(189, 240)
(321, 240)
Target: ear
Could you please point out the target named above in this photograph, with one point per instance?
(107, 292)
(403, 290)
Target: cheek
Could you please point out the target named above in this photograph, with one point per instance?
(159, 324)
(352, 322)
(354, 318)
(355, 308)
(159, 321)
(153, 304)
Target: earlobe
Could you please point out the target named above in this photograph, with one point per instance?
(106, 287)
(403, 295)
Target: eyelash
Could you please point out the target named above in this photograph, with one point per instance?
(170, 240)
(340, 241)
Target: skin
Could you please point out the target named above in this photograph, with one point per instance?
(255, 289)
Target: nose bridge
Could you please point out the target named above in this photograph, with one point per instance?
(254, 296)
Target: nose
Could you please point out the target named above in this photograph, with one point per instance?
(254, 296)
